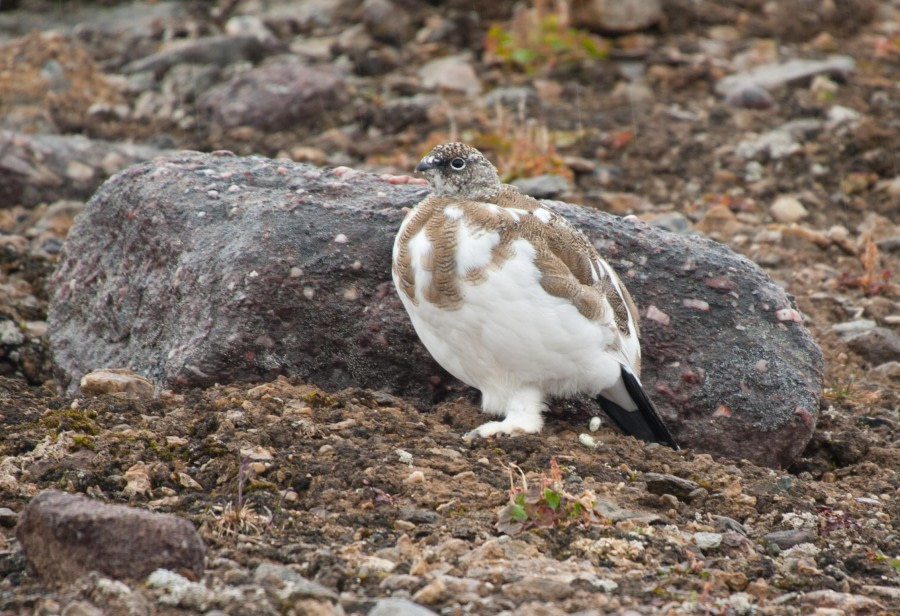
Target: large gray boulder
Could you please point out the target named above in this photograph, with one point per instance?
(196, 269)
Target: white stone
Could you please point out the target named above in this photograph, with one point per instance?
(787, 209)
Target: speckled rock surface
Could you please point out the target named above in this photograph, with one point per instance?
(65, 536)
(198, 269)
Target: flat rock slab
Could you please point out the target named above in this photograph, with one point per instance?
(65, 536)
(203, 268)
(46, 168)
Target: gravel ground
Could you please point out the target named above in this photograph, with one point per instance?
(329, 502)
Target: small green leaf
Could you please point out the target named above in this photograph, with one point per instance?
(517, 512)
(523, 56)
(553, 498)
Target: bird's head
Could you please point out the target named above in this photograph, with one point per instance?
(459, 170)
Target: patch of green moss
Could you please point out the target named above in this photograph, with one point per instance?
(71, 420)
(84, 441)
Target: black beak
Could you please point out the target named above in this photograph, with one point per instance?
(425, 165)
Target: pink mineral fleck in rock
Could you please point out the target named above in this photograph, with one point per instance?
(697, 304)
(789, 314)
(655, 314)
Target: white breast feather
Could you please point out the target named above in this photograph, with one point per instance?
(473, 249)
(510, 334)
(419, 252)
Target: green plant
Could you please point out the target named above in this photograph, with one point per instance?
(540, 38)
(544, 504)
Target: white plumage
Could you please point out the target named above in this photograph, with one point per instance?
(511, 299)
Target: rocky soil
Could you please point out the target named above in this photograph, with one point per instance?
(770, 127)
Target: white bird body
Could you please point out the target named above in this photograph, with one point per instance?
(511, 299)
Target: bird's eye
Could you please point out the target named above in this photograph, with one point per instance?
(458, 163)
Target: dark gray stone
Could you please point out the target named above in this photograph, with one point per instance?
(278, 96)
(878, 345)
(213, 50)
(785, 539)
(659, 483)
(197, 269)
(545, 186)
(65, 536)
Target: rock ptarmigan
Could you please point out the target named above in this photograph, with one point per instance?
(510, 298)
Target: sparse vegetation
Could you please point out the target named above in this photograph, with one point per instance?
(875, 280)
(540, 38)
(544, 503)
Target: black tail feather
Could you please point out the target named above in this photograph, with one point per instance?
(645, 423)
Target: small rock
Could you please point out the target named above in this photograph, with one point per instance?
(215, 50)
(707, 541)
(611, 511)
(848, 329)
(180, 591)
(786, 539)
(64, 536)
(251, 25)
(878, 346)
(117, 381)
(399, 607)
(749, 96)
(841, 116)
(843, 601)
(768, 76)
(10, 333)
(787, 209)
(658, 483)
(387, 22)
(289, 585)
(546, 186)
(616, 16)
(454, 73)
(8, 517)
(889, 370)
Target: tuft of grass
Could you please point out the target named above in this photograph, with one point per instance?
(544, 504)
(850, 392)
(240, 517)
(540, 38)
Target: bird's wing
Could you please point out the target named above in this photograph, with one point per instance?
(572, 269)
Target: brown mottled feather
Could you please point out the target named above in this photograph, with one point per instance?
(565, 256)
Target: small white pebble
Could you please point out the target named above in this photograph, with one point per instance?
(340, 238)
(201, 214)
(357, 265)
(404, 456)
(309, 292)
(762, 365)
(296, 272)
(234, 188)
(326, 449)
(213, 194)
(253, 274)
(595, 424)
(351, 294)
(587, 440)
